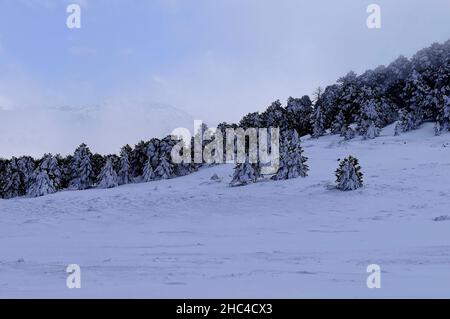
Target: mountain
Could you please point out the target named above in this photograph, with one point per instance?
(185, 237)
(105, 128)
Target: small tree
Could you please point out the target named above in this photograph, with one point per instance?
(107, 177)
(292, 161)
(245, 173)
(42, 185)
(348, 175)
(124, 169)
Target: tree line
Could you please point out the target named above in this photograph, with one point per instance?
(407, 92)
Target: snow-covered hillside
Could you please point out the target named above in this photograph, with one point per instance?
(195, 237)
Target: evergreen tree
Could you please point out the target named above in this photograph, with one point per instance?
(368, 120)
(245, 173)
(165, 169)
(12, 184)
(42, 184)
(416, 95)
(108, 176)
(26, 166)
(124, 176)
(292, 161)
(338, 126)
(139, 158)
(275, 116)
(149, 174)
(348, 175)
(3, 164)
(49, 164)
(443, 119)
(299, 112)
(81, 168)
(318, 118)
(97, 163)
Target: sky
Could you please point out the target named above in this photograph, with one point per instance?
(214, 59)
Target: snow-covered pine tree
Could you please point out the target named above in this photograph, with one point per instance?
(299, 113)
(292, 162)
(3, 163)
(165, 169)
(81, 168)
(42, 184)
(318, 122)
(275, 116)
(443, 118)
(97, 163)
(416, 94)
(50, 165)
(149, 174)
(108, 176)
(138, 158)
(338, 126)
(245, 173)
(124, 165)
(153, 150)
(368, 120)
(348, 174)
(12, 184)
(26, 167)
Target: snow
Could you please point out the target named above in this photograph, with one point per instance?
(193, 237)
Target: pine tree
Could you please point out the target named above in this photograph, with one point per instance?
(338, 126)
(149, 174)
(299, 113)
(245, 173)
(138, 158)
(107, 177)
(348, 174)
(26, 166)
(49, 164)
(165, 169)
(81, 168)
(368, 120)
(12, 184)
(3, 164)
(416, 95)
(292, 161)
(318, 122)
(124, 165)
(443, 119)
(97, 163)
(42, 184)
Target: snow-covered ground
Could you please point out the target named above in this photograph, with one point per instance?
(193, 237)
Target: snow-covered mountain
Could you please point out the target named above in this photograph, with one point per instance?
(197, 237)
(105, 128)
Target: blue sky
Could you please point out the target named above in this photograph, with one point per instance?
(216, 59)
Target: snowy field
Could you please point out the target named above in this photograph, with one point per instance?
(194, 237)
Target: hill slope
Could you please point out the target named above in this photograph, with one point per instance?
(193, 237)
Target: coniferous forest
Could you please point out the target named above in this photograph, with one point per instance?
(407, 92)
